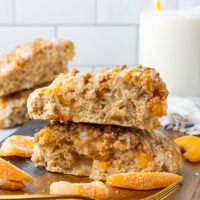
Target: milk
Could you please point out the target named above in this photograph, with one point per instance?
(170, 42)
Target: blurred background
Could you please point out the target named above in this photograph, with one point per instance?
(105, 32)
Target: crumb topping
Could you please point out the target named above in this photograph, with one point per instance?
(107, 80)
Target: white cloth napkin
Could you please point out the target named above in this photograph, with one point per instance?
(183, 115)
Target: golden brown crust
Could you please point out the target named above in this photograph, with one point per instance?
(118, 96)
(33, 64)
(105, 150)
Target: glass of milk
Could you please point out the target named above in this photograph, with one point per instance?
(170, 42)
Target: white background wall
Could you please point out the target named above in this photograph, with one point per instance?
(105, 32)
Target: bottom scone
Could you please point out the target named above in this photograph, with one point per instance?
(98, 151)
(13, 109)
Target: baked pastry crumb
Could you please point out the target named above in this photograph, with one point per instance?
(118, 96)
(13, 109)
(33, 64)
(99, 151)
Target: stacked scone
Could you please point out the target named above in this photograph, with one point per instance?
(102, 123)
(26, 68)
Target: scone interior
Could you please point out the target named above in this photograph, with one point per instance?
(98, 151)
(33, 64)
(118, 96)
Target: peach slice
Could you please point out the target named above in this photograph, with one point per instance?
(17, 145)
(143, 180)
(95, 189)
(11, 185)
(145, 160)
(12, 177)
(191, 146)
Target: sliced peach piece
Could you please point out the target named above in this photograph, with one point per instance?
(11, 185)
(17, 145)
(191, 146)
(143, 180)
(95, 189)
(11, 173)
(145, 160)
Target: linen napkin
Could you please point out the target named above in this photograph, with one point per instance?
(183, 115)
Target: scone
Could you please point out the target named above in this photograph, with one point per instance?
(34, 64)
(13, 109)
(98, 151)
(116, 96)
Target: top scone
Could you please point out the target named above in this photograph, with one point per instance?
(34, 64)
(133, 97)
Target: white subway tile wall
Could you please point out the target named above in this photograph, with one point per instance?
(105, 32)
(126, 11)
(7, 11)
(10, 36)
(55, 11)
(102, 45)
(188, 3)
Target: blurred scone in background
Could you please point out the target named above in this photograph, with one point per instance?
(28, 67)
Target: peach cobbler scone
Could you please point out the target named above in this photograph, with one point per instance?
(117, 96)
(98, 151)
(13, 108)
(33, 64)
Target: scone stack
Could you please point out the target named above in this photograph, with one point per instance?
(26, 68)
(102, 123)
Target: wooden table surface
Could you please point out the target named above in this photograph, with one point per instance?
(190, 189)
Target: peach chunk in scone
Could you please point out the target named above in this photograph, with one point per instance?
(17, 145)
(190, 145)
(143, 180)
(95, 189)
(12, 177)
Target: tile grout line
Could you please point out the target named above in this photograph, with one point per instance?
(69, 25)
(100, 65)
(79, 67)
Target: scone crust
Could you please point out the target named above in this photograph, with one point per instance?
(117, 96)
(99, 151)
(33, 64)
